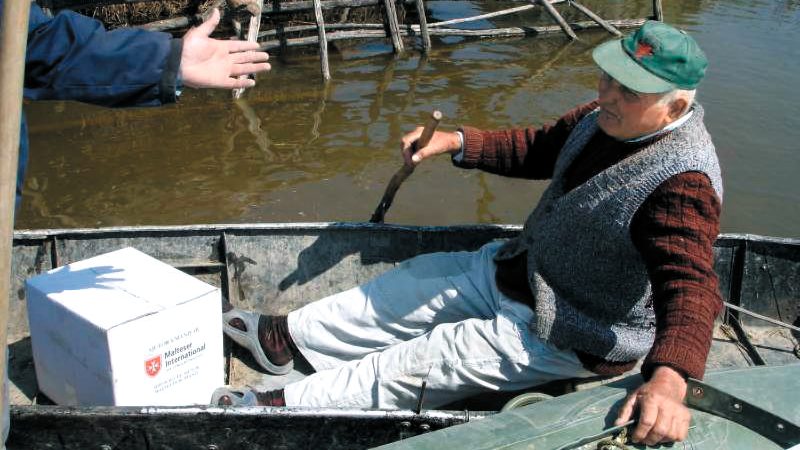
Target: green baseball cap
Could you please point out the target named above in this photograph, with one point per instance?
(657, 58)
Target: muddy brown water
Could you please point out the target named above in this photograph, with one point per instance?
(295, 150)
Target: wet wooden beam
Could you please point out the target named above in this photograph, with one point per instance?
(181, 22)
(557, 17)
(658, 11)
(323, 42)
(252, 36)
(394, 26)
(328, 27)
(423, 26)
(186, 21)
(172, 23)
(608, 27)
(483, 33)
(326, 4)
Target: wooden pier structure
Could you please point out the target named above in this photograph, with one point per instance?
(277, 35)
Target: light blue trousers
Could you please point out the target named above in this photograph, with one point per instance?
(436, 317)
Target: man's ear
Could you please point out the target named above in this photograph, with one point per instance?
(677, 107)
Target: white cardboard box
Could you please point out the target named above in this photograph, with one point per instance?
(125, 329)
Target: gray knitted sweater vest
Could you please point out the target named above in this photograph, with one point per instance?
(590, 284)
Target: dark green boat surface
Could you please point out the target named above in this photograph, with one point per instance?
(565, 422)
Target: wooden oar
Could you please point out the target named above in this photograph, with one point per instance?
(405, 171)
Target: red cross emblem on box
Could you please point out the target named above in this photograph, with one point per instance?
(152, 366)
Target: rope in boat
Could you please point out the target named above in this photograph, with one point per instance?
(759, 316)
(615, 443)
(729, 332)
(607, 433)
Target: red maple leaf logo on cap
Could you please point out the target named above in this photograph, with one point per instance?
(643, 49)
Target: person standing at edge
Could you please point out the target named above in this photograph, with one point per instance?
(614, 264)
(73, 57)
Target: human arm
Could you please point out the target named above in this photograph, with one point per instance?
(674, 231)
(520, 152)
(73, 57)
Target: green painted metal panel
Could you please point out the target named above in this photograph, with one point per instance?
(562, 421)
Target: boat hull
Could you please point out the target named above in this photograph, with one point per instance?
(276, 268)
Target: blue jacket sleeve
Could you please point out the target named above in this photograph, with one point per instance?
(73, 57)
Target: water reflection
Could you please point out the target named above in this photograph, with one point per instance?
(296, 149)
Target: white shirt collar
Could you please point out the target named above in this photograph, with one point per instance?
(666, 129)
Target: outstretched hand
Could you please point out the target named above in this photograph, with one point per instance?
(662, 415)
(213, 63)
(441, 142)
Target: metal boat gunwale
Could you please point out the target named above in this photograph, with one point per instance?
(297, 226)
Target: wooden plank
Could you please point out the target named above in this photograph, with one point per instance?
(557, 17)
(252, 36)
(483, 33)
(323, 42)
(608, 27)
(183, 22)
(171, 24)
(328, 4)
(423, 26)
(394, 26)
(658, 11)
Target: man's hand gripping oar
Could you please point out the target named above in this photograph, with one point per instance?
(416, 140)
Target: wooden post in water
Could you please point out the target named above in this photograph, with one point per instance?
(557, 17)
(394, 26)
(610, 28)
(13, 40)
(323, 41)
(252, 36)
(658, 12)
(423, 26)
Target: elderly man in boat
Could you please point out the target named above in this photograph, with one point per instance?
(613, 265)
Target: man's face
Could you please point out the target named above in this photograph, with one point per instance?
(626, 114)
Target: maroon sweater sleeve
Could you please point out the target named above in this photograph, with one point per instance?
(520, 152)
(674, 230)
